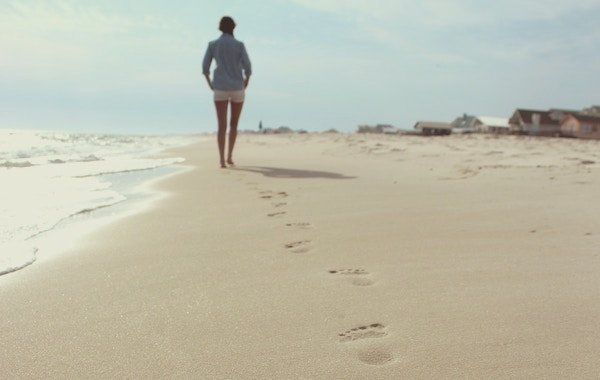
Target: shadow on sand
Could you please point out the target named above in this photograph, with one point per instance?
(290, 173)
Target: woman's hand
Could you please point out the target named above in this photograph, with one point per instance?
(246, 81)
(209, 82)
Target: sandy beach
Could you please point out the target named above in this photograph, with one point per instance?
(331, 256)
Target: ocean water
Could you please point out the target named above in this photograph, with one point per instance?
(47, 178)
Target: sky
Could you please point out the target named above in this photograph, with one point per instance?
(135, 66)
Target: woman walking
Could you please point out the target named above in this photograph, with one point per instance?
(228, 83)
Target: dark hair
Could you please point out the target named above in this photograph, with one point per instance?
(227, 25)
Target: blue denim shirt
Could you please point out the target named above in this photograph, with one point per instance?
(231, 57)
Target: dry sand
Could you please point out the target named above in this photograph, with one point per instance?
(332, 256)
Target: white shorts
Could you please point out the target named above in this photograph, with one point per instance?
(235, 96)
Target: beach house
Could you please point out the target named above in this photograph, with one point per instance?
(463, 124)
(535, 122)
(581, 126)
(490, 124)
(428, 128)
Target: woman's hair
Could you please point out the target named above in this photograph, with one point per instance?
(227, 25)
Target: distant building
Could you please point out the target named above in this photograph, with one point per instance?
(389, 130)
(428, 128)
(489, 124)
(581, 126)
(464, 124)
(559, 113)
(535, 122)
(592, 111)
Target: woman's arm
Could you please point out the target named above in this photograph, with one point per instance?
(246, 65)
(208, 57)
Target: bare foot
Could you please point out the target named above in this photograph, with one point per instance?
(230, 162)
(223, 166)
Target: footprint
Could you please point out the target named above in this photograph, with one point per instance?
(349, 271)
(270, 194)
(468, 172)
(376, 356)
(303, 225)
(358, 277)
(279, 204)
(374, 330)
(298, 246)
(276, 214)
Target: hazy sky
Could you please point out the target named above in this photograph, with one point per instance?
(135, 66)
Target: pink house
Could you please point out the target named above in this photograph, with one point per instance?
(581, 126)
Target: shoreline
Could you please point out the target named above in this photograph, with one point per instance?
(72, 231)
(52, 178)
(140, 194)
(331, 257)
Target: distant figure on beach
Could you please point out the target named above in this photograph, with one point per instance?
(228, 83)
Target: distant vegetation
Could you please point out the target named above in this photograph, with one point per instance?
(283, 130)
(379, 128)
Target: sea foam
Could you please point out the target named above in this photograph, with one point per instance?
(48, 177)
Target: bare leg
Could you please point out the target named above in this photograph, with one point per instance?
(236, 110)
(221, 107)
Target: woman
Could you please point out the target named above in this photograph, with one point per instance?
(228, 83)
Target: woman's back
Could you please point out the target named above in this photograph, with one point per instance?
(231, 58)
